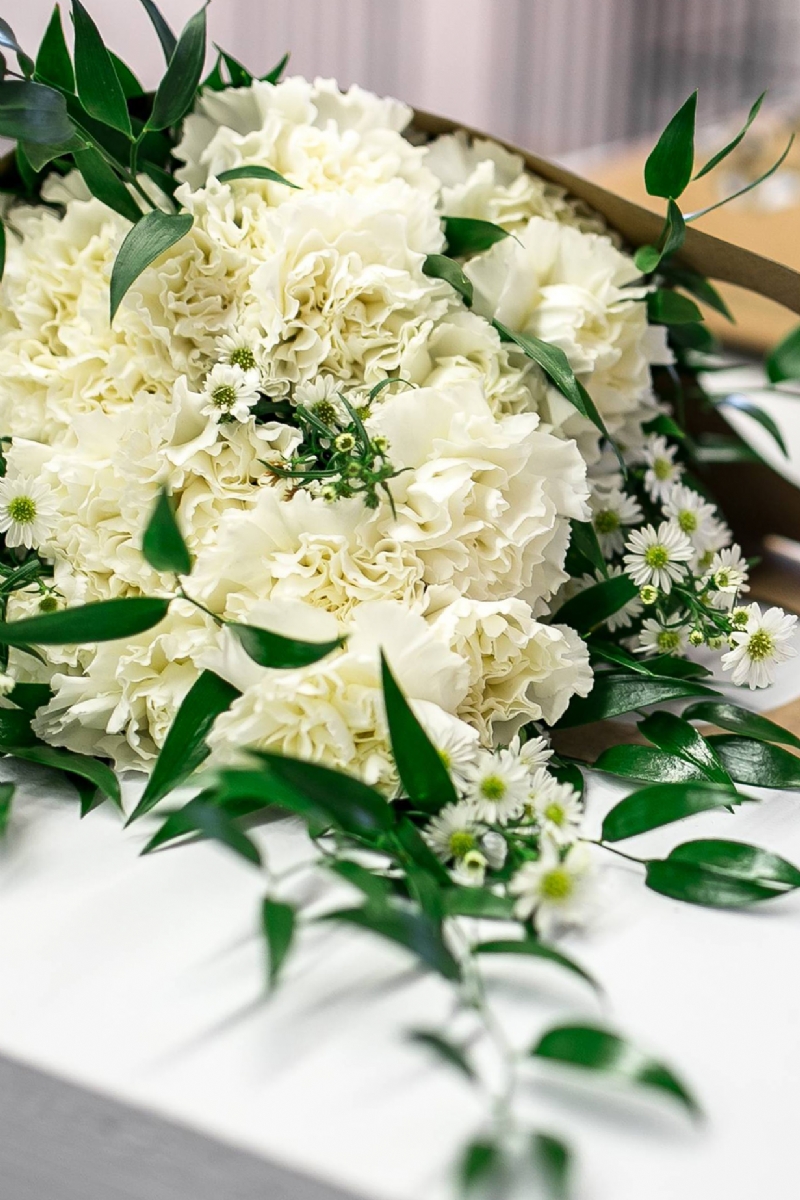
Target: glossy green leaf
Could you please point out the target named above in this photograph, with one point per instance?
(53, 63)
(552, 1161)
(412, 847)
(30, 696)
(274, 650)
(673, 235)
(237, 73)
(467, 236)
(595, 604)
(477, 902)
(39, 154)
(8, 39)
(444, 1048)
(677, 736)
(783, 362)
(717, 158)
(481, 1166)
(165, 35)
(349, 802)
(105, 184)
(693, 336)
(661, 804)
(741, 859)
(162, 544)
(6, 798)
(279, 922)
(613, 695)
(555, 365)
(695, 216)
(104, 621)
(131, 87)
(757, 763)
(99, 89)
(568, 772)
(274, 75)
(600, 1050)
(15, 729)
(531, 947)
(744, 405)
(670, 163)
(185, 746)
(376, 888)
(665, 307)
(149, 238)
(254, 171)
(642, 762)
(695, 883)
(413, 930)
(420, 767)
(611, 653)
(740, 720)
(583, 540)
(438, 266)
(698, 286)
(176, 92)
(215, 824)
(677, 668)
(68, 763)
(32, 112)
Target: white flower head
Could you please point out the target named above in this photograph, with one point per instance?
(695, 517)
(662, 471)
(470, 871)
(322, 397)
(455, 740)
(611, 512)
(453, 832)
(557, 809)
(231, 391)
(497, 785)
(728, 575)
(553, 890)
(27, 506)
(656, 638)
(534, 753)
(760, 646)
(237, 352)
(658, 556)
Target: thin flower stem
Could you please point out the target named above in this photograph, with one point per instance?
(642, 862)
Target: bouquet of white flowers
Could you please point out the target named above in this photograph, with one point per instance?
(341, 464)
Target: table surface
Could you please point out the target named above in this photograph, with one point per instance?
(143, 979)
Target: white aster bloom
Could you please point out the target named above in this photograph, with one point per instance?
(551, 890)
(453, 832)
(470, 871)
(611, 511)
(497, 786)
(534, 753)
(237, 351)
(457, 742)
(27, 509)
(231, 391)
(662, 471)
(695, 517)
(658, 556)
(656, 638)
(557, 809)
(728, 574)
(760, 646)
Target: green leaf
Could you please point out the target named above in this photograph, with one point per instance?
(757, 763)
(422, 772)
(15, 729)
(438, 266)
(647, 259)
(665, 425)
(411, 845)
(717, 158)
(661, 804)
(596, 604)
(8, 39)
(642, 762)
(99, 89)
(163, 545)
(39, 154)
(583, 540)
(130, 85)
(695, 883)
(71, 764)
(764, 419)
(467, 236)
(185, 746)
(698, 286)
(105, 184)
(610, 652)
(665, 307)
(552, 1160)
(535, 949)
(104, 621)
(213, 79)
(375, 887)
(739, 720)
(673, 235)
(477, 902)
(278, 921)
(783, 362)
(744, 190)
(693, 336)
(215, 824)
(677, 668)
(149, 238)
(274, 75)
(165, 34)
(349, 802)
(595, 1049)
(53, 63)
(669, 165)
(716, 448)
(281, 653)
(254, 171)
(482, 1162)
(6, 797)
(177, 89)
(613, 695)
(30, 696)
(413, 930)
(32, 112)
(677, 736)
(445, 1049)
(239, 75)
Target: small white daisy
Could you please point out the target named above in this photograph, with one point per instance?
(656, 638)
(237, 352)
(456, 741)
(470, 871)
(558, 811)
(322, 397)
(534, 753)
(662, 471)
(27, 507)
(231, 391)
(453, 832)
(611, 512)
(693, 515)
(658, 556)
(497, 785)
(759, 646)
(727, 576)
(552, 890)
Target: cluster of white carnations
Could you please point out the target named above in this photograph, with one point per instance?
(308, 299)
